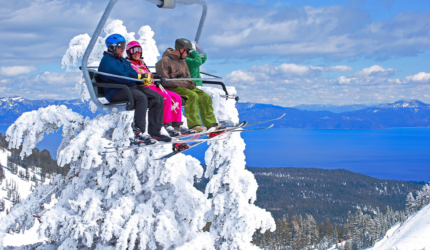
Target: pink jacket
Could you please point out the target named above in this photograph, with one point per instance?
(140, 68)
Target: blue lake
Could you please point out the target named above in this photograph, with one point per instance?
(400, 154)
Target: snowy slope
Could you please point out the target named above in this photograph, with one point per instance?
(30, 236)
(413, 234)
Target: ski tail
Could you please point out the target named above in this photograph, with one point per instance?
(255, 123)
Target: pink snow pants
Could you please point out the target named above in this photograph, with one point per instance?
(170, 115)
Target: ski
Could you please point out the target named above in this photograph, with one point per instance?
(207, 132)
(174, 139)
(253, 129)
(210, 130)
(227, 130)
(242, 124)
(157, 144)
(255, 123)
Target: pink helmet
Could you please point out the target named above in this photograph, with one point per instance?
(132, 45)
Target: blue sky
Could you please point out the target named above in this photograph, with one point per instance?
(281, 52)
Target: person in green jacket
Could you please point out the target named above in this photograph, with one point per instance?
(194, 60)
(173, 65)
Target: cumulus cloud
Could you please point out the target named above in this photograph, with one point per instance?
(43, 86)
(421, 77)
(308, 85)
(16, 70)
(244, 31)
(284, 72)
(373, 75)
(300, 33)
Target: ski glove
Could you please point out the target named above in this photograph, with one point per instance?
(162, 80)
(145, 78)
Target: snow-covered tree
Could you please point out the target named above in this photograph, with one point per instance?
(2, 205)
(410, 203)
(233, 191)
(129, 199)
(2, 175)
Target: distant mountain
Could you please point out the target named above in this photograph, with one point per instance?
(325, 193)
(12, 107)
(399, 114)
(331, 108)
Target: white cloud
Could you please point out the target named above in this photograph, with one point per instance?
(245, 31)
(339, 68)
(42, 86)
(285, 72)
(306, 84)
(373, 75)
(16, 70)
(375, 70)
(420, 77)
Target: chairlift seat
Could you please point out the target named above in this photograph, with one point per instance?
(99, 91)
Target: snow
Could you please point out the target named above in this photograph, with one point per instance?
(3, 156)
(412, 104)
(413, 234)
(29, 236)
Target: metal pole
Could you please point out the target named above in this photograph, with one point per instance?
(202, 21)
(90, 47)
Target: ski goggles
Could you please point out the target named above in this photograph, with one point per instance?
(121, 45)
(136, 50)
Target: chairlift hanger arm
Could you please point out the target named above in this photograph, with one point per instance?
(170, 4)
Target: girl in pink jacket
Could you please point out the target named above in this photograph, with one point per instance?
(172, 116)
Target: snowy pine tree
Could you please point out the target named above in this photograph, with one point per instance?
(2, 205)
(233, 191)
(2, 175)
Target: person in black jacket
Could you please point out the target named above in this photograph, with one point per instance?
(113, 63)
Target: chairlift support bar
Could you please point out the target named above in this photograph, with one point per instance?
(216, 80)
(167, 79)
(161, 4)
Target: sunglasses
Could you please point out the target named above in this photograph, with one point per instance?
(136, 50)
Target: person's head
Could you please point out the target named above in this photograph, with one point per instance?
(183, 46)
(134, 50)
(115, 44)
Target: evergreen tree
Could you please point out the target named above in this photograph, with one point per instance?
(9, 194)
(411, 203)
(2, 205)
(2, 174)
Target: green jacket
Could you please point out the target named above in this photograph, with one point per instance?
(194, 61)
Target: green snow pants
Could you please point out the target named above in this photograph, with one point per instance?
(197, 99)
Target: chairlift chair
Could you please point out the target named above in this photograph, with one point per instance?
(91, 76)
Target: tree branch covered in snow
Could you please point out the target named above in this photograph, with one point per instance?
(31, 126)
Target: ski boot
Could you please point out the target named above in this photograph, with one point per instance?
(185, 131)
(140, 138)
(160, 137)
(199, 129)
(217, 127)
(172, 132)
(179, 147)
